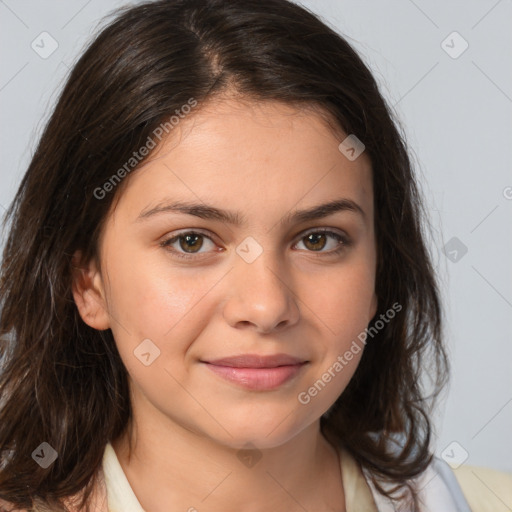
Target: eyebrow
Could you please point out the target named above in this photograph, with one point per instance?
(208, 212)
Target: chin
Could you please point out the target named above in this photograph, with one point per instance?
(255, 432)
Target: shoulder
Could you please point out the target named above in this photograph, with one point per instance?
(98, 500)
(437, 489)
(465, 489)
(486, 490)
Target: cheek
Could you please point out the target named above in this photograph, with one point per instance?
(168, 308)
(342, 300)
(149, 302)
(150, 299)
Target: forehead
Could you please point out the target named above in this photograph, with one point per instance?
(258, 157)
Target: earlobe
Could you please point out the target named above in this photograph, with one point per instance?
(88, 292)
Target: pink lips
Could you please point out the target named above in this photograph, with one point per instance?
(255, 372)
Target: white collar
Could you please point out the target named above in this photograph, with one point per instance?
(120, 495)
(121, 498)
(439, 489)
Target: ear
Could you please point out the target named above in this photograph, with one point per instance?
(89, 293)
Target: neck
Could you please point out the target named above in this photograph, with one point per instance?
(188, 471)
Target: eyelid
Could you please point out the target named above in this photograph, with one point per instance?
(187, 231)
(345, 239)
(168, 240)
(336, 231)
(197, 231)
(300, 235)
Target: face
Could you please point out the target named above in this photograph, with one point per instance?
(255, 268)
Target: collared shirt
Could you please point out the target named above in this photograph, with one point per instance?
(441, 489)
(121, 498)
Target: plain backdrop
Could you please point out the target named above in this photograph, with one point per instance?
(445, 67)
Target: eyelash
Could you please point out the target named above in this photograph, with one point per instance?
(343, 241)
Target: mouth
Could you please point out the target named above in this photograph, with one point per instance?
(255, 372)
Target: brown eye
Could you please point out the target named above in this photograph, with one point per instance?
(316, 241)
(193, 242)
(187, 244)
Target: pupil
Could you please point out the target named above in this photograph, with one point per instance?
(191, 241)
(315, 238)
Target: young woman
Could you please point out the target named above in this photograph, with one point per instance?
(216, 293)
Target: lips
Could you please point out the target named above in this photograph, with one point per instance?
(257, 361)
(257, 372)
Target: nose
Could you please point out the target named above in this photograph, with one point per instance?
(260, 295)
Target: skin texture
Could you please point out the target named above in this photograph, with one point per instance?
(264, 160)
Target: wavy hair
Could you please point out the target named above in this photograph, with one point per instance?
(63, 382)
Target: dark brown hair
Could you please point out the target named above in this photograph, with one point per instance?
(63, 382)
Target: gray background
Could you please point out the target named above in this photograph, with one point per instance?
(456, 113)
